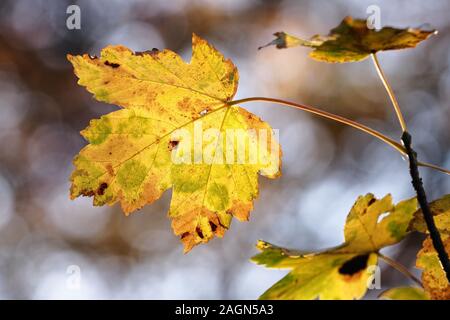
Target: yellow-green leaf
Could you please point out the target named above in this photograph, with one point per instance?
(152, 144)
(405, 293)
(352, 41)
(373, 224)
(440, 209)
(343, 272)
(325, 276)
(434, 279)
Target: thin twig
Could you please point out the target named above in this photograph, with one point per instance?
(328, 115)
(399, 267)
(433, 166)
(397, 146)
(414, 172)
(389, 91)
(423, 202)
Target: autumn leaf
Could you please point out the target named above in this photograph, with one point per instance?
(433, 276)
(366, 230)
(404, 293)
(440, 209)
(167, 104)
(343, 272)
(352, 41)
(434, 279)
(323, 275)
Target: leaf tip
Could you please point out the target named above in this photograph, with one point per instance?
(261, 245)
(196, 38)
(279, 42)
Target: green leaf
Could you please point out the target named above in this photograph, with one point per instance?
(353, 41)
(343, 272)
(405, 293)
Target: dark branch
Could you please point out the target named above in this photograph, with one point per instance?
(423, 202)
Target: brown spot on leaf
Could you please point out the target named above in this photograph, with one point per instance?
(199, 232)
(87, 193)
(371, 201)
(213, 226)
(184, 235)
(112, 65)
(101, 189)
(173, 144)
(354, 265)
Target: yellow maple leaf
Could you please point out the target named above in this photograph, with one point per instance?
(368, 230)
(440, 209)
(173, 132)
(352, 41)
(434, 278)
(346, 271)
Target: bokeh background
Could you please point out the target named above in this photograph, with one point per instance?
(325, 165)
